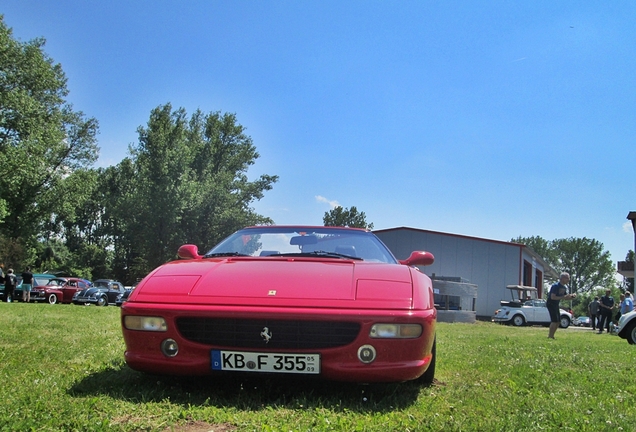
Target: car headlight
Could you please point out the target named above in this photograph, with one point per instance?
(144, 323)
(396, 331)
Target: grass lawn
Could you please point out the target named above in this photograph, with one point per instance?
(62, 369)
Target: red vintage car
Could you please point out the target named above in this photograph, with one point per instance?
(58, 290)
(317, 301)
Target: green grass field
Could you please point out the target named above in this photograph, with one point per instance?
(62, 369)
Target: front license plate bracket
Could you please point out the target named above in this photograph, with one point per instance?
(246, 361)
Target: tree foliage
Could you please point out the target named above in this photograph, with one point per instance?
(346, 217)
(46, 148)
(589, 266)
(184, 182)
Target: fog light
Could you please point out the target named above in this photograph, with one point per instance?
(366, 353)
(169, 347)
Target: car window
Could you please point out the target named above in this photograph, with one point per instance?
(267, 241)
(38, 281)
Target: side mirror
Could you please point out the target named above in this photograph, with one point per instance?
(419, 258)
(188, 252)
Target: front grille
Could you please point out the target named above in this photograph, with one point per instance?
(246, 333)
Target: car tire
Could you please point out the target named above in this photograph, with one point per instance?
(52, 299)
(102, 301)
(518, 320)
(630, 332)
(564, 322)
(428, 376)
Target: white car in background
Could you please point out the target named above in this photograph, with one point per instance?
(526, 309)
(626, 327)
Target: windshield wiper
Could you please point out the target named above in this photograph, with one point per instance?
(319, 254)
(223, 254)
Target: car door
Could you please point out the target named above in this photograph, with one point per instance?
(541, 311)
(529, 310)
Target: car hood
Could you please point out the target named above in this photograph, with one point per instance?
(278, 281)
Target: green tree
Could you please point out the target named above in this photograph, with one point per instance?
(46, 148)
(589, 266)
(184, 182)
(346, 217)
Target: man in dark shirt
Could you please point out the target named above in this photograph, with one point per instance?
(607, 309)
(558, 292)
(594, 310)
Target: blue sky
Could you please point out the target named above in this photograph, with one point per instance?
(488, 119)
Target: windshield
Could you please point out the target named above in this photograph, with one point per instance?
(304, 241)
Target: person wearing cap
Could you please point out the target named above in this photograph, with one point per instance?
(558, 292)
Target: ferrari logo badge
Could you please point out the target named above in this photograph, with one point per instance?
(266, 334)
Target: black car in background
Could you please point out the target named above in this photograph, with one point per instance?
(123, 297)
(102, 293)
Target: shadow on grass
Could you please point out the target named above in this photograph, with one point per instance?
(246, 392)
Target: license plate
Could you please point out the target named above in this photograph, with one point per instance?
(265, 362)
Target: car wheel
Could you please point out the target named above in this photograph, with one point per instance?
(518, 320)
(428, 376)
(102, 301)
(52, 299)
(565, 322)
(630, 332)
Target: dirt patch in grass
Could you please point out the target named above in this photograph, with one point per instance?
(199, 426)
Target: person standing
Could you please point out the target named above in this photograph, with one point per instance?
(627, 304)
(607, 306)
(558, 292)
(27, 284)
(593, 308)
(9, 285)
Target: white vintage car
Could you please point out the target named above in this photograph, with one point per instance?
(526, 309)
(626, 327)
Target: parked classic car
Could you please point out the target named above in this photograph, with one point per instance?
(39, 279)
(626, 327)
(59, 290)
(582, 321)
(316, 301)
(121, 298)
(526, 309)
(102, 293)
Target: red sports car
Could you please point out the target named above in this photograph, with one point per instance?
(319, 301)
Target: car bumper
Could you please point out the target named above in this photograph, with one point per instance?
(84, 300)
(396, 359)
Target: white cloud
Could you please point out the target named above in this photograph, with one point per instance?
(333, 204)
(627, 226)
